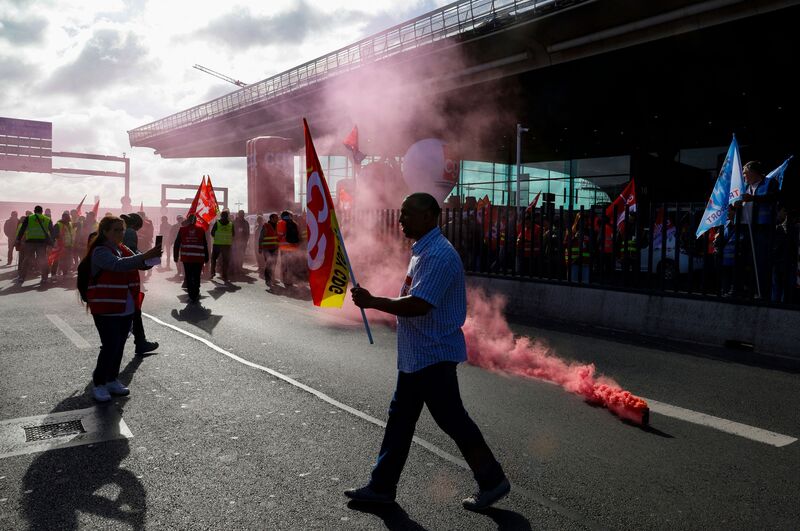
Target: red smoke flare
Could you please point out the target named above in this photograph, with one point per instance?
(491, 344)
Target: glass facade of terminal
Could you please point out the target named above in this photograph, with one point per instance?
(573, 183)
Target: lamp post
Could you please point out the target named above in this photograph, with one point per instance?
(520, 130)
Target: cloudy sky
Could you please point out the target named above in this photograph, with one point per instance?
(98, 68)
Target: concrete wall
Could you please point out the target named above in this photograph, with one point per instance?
(770, 330)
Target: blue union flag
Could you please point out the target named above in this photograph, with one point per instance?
(728, 190)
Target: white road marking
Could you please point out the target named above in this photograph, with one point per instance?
(728, 426)
(542, 500)
(73, 336)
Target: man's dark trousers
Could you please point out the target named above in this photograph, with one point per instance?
(437, 387)
(193, 271)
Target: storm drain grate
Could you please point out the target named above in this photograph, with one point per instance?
(50, 431)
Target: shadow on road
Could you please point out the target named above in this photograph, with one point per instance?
(199, 316)
(394, 517)
(507, 520)
(61, 484)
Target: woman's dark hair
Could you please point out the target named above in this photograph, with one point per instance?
(85, 267)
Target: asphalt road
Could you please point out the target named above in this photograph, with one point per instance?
(223, 444)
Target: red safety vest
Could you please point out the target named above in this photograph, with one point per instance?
(282, 243)
(108, 293)
(270, 240)
(191, 238)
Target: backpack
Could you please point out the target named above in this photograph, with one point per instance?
(292, 234)
(84, 272)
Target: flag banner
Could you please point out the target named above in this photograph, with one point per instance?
(328, 272)
(79, 209)
(351, 143)
(626, 198)
(658, 227)
(204, 206)
(193, 206)
(727, 190)
(96, 208)
(532, 206)
(778, 172)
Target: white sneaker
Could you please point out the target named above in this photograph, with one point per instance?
(100, 393)
(116, 388)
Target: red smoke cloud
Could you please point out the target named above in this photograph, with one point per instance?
(491, 344)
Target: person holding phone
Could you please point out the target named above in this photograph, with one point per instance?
(108, 281)
(191, 248)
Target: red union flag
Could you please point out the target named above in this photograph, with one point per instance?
(204, 206)
(328, 274)
(626, 198)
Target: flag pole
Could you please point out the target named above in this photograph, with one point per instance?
(353, 277)
(749, 221)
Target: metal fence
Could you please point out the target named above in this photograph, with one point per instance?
(446, 22)
(653, 251)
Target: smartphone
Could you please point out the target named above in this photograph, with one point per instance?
(159, 240)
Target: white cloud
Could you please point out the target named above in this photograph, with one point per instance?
(97, 68)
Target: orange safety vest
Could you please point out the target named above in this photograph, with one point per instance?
(283, 245)
(108, 293)
(191, 249)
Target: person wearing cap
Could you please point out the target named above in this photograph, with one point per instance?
(130, 240)
(191, 249)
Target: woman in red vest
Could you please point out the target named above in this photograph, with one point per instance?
(108, 281)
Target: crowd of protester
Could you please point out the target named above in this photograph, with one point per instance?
(586, 246)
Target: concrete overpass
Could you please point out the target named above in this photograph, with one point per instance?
(589, 77)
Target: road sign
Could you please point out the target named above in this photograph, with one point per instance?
(26, 145)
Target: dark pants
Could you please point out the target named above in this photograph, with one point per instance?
(11, 242)
(193, 271)
(225, 252)
(139, 337)
(35, 256)
(437, 387)
(113, 334)
(270, 258)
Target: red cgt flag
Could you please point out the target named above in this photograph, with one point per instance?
(626, 198)
(79, 209)
(328, 274)
(96, 208)
(204, 206)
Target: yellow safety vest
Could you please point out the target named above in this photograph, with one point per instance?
(37, 227)
(224, 234)
(66, 232)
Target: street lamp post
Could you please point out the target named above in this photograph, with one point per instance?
(520, 130)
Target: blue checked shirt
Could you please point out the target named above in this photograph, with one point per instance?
(436, 275)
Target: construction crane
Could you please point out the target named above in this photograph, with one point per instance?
(220, 76)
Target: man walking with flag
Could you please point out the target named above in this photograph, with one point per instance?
(430, 310)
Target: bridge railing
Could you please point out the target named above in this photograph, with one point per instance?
(446, 22)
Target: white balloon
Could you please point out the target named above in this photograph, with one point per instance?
(428, 167)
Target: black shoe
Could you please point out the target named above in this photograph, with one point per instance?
(366, 495)
(147, 346)
(483, 499)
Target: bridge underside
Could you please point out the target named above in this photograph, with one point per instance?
(588, 82)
